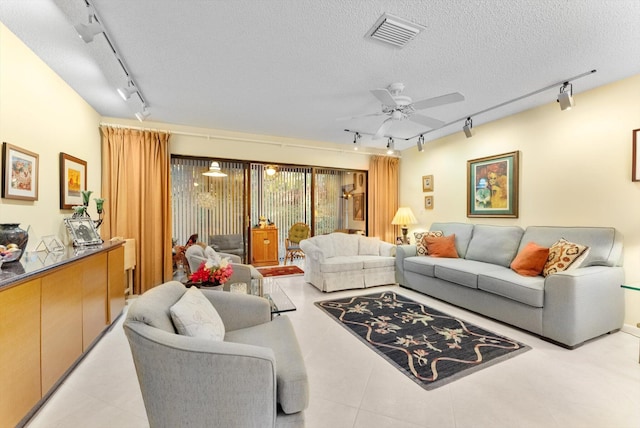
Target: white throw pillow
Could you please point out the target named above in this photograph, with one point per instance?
(195, 316)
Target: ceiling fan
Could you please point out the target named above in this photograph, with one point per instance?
(400, 107)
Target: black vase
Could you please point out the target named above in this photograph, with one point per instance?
(11, 233)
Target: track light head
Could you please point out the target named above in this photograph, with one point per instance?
(468, 124)
(356, 141)
(142, 115)
(126, 91)
(565, 98)
(420, 143)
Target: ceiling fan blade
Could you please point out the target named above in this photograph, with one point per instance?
(360, 116)
(384, 96)
(383, 129)
(453, 97)
(426, 121)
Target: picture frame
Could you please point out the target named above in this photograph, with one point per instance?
(19, 173)
(428, 202)
(635, 153)
(73, 181)
(83, 231)
(358, 206)
(492, 186)
(427, 183)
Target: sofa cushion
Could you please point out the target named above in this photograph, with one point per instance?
(564, 255)
(345, 244)
(153, 310)
(441, 246)
(195, 316)
(506, 283)
(494, 244)
(461, 271)
(368, 246)
(342, 264)
(371, 262)
(291, 375)
(421, 249)
(420, 264)
(530, 260)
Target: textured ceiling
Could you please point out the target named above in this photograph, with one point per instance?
(292, 67)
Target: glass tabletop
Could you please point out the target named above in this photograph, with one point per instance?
(277, 298)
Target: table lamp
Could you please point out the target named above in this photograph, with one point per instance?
(403, 217)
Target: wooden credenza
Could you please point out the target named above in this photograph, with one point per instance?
(264, 246)
(50, 315)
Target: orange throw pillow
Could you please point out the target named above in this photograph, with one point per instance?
(531, 260)
(441, 246)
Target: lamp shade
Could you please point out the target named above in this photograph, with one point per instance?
(404, 216)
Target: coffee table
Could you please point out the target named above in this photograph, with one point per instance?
(270, 289)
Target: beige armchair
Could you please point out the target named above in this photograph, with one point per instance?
(195, 255)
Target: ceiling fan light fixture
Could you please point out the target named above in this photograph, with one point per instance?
(214, 170)
(390, 146)
(356, 141)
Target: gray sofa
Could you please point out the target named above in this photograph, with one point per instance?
(340, 261)
(255, 377)
(567, 308)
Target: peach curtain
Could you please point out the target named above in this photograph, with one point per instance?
(383, 200)
(136, 186)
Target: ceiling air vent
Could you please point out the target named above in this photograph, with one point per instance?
(393, 30)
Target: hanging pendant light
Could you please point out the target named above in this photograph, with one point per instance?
(214, 171)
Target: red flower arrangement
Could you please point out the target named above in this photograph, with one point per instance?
(216, 271)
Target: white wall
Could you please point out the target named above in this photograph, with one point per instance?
(39, 112)
(575, 169)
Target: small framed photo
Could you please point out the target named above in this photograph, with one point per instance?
(73, 181)
(428, 202)
(635, 167)
(82, 231)
(427, 183)
(19, 173)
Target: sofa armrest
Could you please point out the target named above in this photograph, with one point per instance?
(402, 252)
(387, 249)
(187, 381)
(312, 251)
(232, 257)
(583, 303)
(239, 310)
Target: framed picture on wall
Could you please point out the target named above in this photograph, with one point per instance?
(19, 173)
(428, 202)
(635, 167)
(73, 181)
(492, 186)
(427, 183)
(358, 206)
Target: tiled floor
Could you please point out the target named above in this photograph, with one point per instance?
(596, 385)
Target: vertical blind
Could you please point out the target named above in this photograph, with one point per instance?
(218, 205)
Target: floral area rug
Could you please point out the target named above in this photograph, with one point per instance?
(430, 347)
(280, 271)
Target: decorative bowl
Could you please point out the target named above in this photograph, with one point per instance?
(11, 256)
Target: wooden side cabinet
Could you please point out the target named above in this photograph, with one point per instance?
(264, 247)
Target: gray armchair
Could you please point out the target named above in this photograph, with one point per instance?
(255, 377)
(232, 244)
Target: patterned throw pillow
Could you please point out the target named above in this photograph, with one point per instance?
(422, 249)
(194, 315)
(564, 255)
